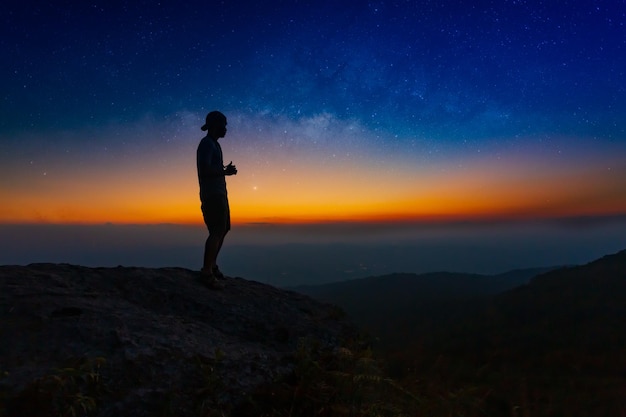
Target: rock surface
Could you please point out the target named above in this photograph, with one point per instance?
(147, 340)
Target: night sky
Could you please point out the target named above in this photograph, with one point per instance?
(337, 110)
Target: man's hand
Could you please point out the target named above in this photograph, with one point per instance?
(230, 169)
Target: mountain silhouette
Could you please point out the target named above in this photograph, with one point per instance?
(573, 308)
(398, 307)
(554, 346)
(553, 343)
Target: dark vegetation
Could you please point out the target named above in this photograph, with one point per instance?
(509, 345)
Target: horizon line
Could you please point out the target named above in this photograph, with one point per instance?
(422, 220)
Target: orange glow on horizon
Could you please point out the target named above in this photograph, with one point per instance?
(318, 190)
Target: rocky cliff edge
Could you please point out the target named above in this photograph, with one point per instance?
(138, 341)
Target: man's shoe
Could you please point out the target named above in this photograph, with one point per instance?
(210, 281)
(217, 273)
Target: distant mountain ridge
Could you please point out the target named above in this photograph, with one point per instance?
(561, 305)
(446, 282)
(581, 307)
(375, 302)
(554, 344)
(583, 301)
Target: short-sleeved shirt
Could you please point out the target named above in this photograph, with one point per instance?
(210, 165)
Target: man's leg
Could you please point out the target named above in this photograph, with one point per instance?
(219, 246)
(224, 210)
(217, 218)
(216, 270)
(212, 247)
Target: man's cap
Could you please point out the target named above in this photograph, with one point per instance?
(212, 118)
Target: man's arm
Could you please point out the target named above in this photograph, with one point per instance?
(230, 169)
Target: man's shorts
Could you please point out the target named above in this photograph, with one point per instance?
(216, 213)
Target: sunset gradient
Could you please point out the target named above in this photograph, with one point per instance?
(390, 135)
(297, 178)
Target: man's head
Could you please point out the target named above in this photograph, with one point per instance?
(215, 124)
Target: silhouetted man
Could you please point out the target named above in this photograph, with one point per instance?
(213, 196)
